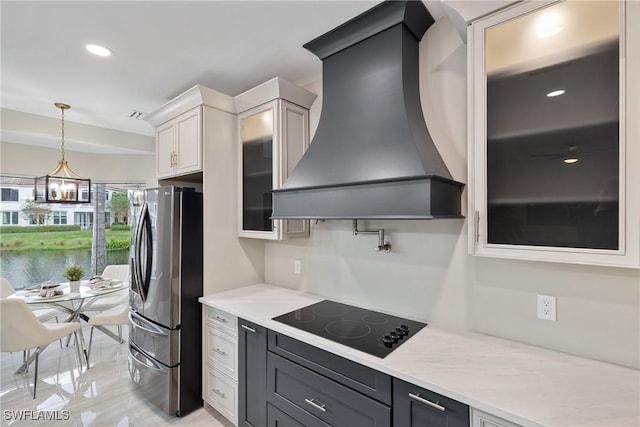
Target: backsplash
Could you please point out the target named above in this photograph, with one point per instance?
(429, 274)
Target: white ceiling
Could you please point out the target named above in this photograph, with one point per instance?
(161, 48)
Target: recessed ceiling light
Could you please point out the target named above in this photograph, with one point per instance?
(555, 93)
(98, 50)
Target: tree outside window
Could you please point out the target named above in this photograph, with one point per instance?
(35, 213)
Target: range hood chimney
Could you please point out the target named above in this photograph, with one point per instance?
(372, 156)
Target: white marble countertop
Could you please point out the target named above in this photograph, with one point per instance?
(524, 384)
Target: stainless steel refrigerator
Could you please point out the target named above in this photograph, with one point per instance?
(165, 338)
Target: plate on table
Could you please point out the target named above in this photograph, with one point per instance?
(101, 288)
(51, 298)
(40, 286)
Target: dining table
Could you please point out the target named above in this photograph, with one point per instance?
(72, 299)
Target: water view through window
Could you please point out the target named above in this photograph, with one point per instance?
(37, 241)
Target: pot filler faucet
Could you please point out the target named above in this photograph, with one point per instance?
(382, 245)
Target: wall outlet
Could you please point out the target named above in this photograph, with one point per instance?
(297, 266)
(547, 307)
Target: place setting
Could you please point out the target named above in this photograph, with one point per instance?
(99, 284)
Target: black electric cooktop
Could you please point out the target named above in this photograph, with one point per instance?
(374, 333)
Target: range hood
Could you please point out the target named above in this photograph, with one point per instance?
(372, 156)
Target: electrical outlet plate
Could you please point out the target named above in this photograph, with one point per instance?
(547, 307)
(297, 266)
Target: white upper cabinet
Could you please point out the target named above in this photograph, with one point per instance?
(554, 133)
(273, 127)
(179, 145)
(180, 128)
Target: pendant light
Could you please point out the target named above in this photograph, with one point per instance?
(62, 185)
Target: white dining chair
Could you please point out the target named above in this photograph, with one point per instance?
(118, 272)
(116, 316)
(43, 314)
(20, 330)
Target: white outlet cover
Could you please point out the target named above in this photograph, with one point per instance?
(297, 266)
(547, 307)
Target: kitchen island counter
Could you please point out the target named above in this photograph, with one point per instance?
(521, 383)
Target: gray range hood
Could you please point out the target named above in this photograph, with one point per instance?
(372, 156)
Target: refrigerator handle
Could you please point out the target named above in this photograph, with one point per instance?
(145, 283)
(137, 274)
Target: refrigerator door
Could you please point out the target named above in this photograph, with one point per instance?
(156, 257)
(156, 382)
(160, 343)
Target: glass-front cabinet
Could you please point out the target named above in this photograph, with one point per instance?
(274, 133)
(554, 144)
(257, 134)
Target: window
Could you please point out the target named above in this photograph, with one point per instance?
(60, 217)
(9, 195)
(10, 218)
(83, 219)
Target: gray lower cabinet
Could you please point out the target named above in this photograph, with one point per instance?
(314, 387)
(284, 382)
(414, 406)
(315, 400)
(277, 418)
(252, 375)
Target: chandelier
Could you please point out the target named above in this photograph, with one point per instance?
(62, 185)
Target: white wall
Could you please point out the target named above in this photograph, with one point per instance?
(429, 274)
(20, 160)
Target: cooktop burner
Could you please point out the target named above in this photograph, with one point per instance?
(370, 331)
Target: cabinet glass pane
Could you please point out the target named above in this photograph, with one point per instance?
(257, 171)
(552, 127)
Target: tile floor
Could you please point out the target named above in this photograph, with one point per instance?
(100, 396)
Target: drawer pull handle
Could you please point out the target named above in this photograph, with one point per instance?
(315, 405)
(417, 398)
(220, 319)
(217, 350)
(248, 328)
(219, 393)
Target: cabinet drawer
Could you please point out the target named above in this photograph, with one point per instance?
(222, 352)
(415, 406)
(315, 400)
(354, 375)
(277, 418)
(222, 393)
(222, 321)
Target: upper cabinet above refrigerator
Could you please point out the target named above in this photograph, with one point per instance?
(552, 137)
(273, 128)
(182, 131)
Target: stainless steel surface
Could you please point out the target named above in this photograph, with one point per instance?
(382, 244)
(248, 328)
(315, 405)
(158, 383)
(165, 321)
(157, 342)
(427, 402)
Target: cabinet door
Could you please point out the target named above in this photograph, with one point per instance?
(414, 406)
(549, 151)
(482, 419)
(257, 177)
(165, 155)
(188, 145)
(252, 384)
